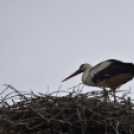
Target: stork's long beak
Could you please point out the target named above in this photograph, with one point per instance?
(72, 75)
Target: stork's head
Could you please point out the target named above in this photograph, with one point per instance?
(81, 69)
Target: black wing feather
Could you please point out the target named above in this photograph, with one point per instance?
(115, 68)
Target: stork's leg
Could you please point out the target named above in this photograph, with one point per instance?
(105, 94)
(114, 95)
(104, 89)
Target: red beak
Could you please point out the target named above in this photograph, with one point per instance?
(72, 75)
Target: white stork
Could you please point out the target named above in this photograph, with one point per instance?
(107, 74)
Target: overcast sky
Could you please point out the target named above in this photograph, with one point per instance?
(44, 41)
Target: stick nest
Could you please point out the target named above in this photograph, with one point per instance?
(74, 113)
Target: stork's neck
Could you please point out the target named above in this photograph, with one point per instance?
(85, 75)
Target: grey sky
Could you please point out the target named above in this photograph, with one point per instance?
(44, 41)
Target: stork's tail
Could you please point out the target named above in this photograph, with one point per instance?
(130, 67)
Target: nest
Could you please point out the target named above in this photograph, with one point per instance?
(74, 113)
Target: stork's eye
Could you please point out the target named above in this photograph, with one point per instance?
(81, 66)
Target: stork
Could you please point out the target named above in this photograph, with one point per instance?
(107, 74)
